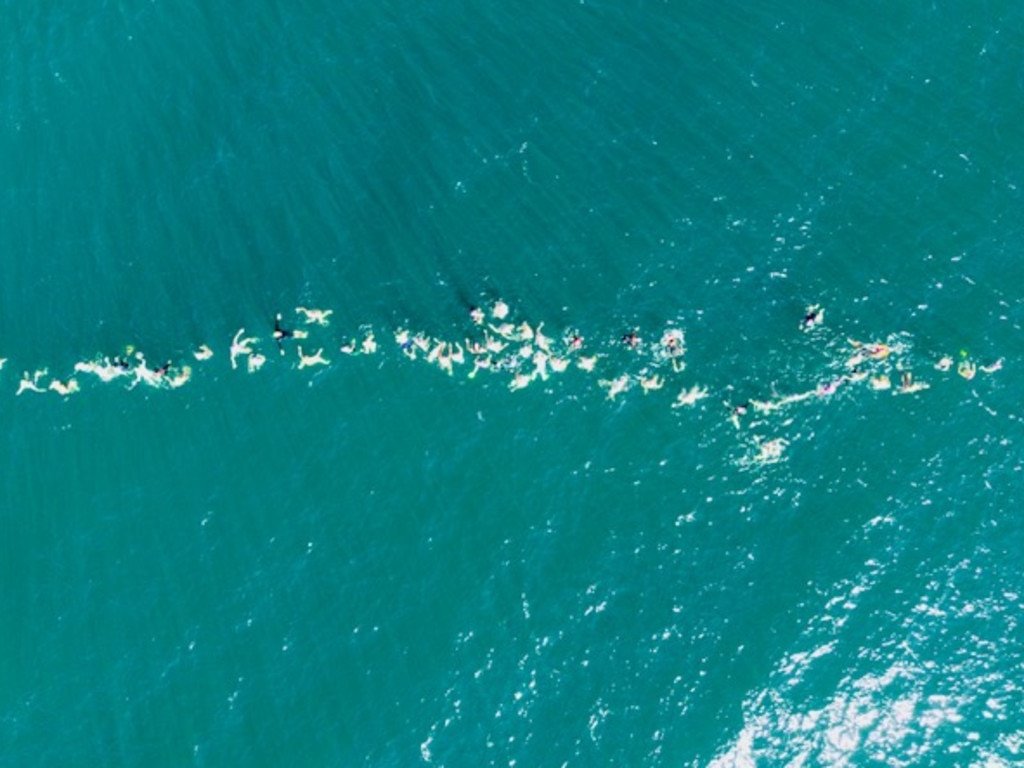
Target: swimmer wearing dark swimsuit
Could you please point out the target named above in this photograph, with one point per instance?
(281, 333)
(812, 318)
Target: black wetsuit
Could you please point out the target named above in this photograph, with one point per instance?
(280, 333)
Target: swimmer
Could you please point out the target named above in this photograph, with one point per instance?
(967, 369)
(421, 341)
(180, 378)
(280, 334)
(814, 317)
(476, 315)
(519, 381)
(349, 348)
(631, 339)
(405, 343)
(908, 385)
(651, 383)
(673, 342)
(435, 354)
(105, 372)
(153, 378)
(62, 388)
(944, 363)
(877, 351)
(457, 354)
(558, 364)
(880, 382)
(541, 340)
(615, 386)
(540, 365)
(690, 396)
(444, 356)
(31, 382)
(203, 353)
(829, 387)
(574, 342)
(500, 310)
(317, 358)
(240, 346)
(493, 345)
(256, 361)
(506, 331)
(996, 366)
(479, 364)
(738, 411)
(318, 316)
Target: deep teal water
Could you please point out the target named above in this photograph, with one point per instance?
(374, 563)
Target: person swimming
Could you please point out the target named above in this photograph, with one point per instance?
(541, 340)
(873, 350)
(651, 383)
(519, 381)
(673, 343)
(104, 369)
(967, 369)
(64, 388)
(281, 333)
(829, 387)
(203, 353)
(317, 358)
(255, 362)
(143, 373)
(690, 396)
(908, 385)
(615, 386)
(241, 346)
(558, 364)
(30, 382)
(737, 412)
(404, 341)
(814, 317)
(180, 377)
(479, 364)
(318, 316)
(631, 339)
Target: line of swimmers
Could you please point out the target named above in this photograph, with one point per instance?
(525, 352)
(865, 353)
(516, 348)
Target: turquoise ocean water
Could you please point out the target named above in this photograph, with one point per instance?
(373, 563)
